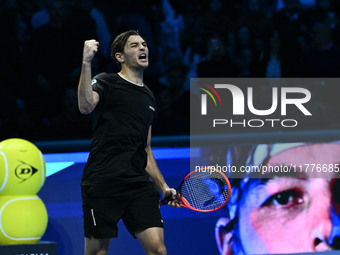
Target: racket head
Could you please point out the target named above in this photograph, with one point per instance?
(205, 190)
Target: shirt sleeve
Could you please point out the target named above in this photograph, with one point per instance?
(97, 85)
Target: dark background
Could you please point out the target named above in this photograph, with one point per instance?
(41, 50)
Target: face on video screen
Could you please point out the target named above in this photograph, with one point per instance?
(286, 214)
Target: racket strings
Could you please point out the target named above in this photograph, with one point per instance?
(205, 190)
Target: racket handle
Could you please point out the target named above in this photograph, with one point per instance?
(163, 202)
(166, 200)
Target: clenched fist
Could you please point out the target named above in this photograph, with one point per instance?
(90, 49)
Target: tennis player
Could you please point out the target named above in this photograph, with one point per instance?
(116, 180)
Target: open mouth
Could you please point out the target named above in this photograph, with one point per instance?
(142, 56)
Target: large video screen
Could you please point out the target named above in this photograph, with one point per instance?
(285, 196)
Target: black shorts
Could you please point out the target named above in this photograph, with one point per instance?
(137, 207)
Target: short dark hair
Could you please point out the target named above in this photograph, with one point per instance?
(120, 41)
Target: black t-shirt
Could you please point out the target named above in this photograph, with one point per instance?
(121, 121)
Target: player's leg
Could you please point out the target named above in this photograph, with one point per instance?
(101, 215)
(144, 221)
(152, 241)
(95, 246)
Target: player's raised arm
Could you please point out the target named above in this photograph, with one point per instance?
(87, 98)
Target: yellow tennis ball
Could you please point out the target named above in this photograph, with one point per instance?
(23, 219)
(22, 167)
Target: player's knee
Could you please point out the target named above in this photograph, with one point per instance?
(158, 249)
(96, 252)
(96, 246)
(161, 250)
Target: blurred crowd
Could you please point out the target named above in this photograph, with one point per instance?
(41, 46)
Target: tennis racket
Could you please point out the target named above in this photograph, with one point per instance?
(203, 190)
